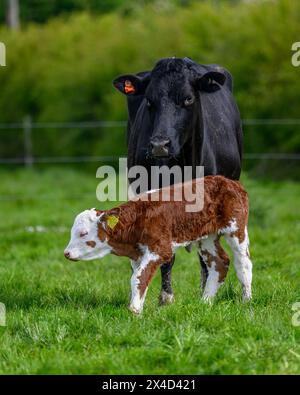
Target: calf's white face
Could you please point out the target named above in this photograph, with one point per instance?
(85, 243)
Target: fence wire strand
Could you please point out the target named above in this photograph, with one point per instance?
(27, 125)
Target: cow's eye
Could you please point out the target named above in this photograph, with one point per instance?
(82, 234)
(149, 103)
(188, 101)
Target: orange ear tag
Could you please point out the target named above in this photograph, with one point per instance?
(128, 87)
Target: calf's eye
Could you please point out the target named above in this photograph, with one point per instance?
(188, 101)
(82, 234)
(148, 103)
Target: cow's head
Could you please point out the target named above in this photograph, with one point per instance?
(171, 96)
(86, 241)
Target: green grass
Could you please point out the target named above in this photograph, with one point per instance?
(65, 317)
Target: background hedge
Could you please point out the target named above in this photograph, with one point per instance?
(62, 70)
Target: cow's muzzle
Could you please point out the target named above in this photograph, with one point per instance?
(160, 147)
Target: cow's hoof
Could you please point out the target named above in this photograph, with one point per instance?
(165, 298)
(134, 310)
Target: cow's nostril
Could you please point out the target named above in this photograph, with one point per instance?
(160, 147)
(67, 254)
(160, 143)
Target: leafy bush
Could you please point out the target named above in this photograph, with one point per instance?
(62, 71)
(42, 10)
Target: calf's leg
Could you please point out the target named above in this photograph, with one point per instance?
(242, 263)
(215, 265)
(143, 272)
(204, 272)
(166, 294)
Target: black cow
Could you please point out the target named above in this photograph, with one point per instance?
(182, 113)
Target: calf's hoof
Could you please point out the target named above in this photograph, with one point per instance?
(247, 293)
(134, 310)
(165, 298)
(247, 298)
(208, 299)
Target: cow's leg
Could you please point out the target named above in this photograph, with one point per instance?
(143, 271)
(242, 262)
(216, 261)
(166, 294)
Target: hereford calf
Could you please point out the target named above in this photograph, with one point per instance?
(149, 232)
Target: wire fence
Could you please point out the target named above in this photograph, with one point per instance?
(28, 159)
(27, 127)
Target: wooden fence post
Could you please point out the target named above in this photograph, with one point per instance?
(27, 129)
(12, 14)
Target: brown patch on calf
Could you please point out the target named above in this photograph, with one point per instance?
(240, 234)
(222, 263)
(121, 243)
(101, 233)
(146, 276)
(125, 249)
(91, 243)
(221, 260)
(159, 223)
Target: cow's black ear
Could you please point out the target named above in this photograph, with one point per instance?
(130, 84)
(211, 81)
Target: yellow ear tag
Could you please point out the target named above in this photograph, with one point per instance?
(112, 221)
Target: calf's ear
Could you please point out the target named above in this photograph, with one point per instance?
(111, 218)
(131, 85)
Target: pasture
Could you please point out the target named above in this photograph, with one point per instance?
(71, 317)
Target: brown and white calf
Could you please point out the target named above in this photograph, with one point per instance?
(148, 232)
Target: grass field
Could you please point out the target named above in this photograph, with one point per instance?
(65, 317)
